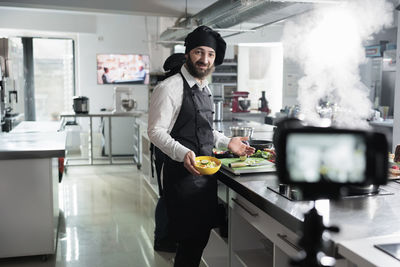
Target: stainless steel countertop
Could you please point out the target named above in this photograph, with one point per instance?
(357, 218)
(37, 126)
(135, 113)
(32, 145)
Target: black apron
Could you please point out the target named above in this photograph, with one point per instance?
(191, 200)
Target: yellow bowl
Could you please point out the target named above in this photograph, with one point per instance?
(208, 171)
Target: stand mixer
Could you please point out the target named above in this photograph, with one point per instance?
(123, 100)
(240, 103)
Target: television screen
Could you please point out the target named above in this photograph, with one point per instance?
(122, 69)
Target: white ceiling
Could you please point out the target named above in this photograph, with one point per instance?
(167, 8)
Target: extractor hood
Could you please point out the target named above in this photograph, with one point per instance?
(225, 14)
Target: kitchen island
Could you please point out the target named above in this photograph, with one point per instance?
(254, 207)
(29, 192)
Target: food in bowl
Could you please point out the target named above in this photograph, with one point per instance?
(207, 165)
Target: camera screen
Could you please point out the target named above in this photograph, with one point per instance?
(326, 157)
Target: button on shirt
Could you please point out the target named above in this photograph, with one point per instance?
(165, 105)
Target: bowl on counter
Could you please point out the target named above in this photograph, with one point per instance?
(207, 165)
(244, 104)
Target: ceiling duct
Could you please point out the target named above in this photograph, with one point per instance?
(227, 13)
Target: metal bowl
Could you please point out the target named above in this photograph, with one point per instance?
(241, 131)
(128, 104)
(244, 104)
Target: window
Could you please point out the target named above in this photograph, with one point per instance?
(53, 76)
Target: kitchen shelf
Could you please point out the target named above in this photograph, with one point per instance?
(225, 74)
(229, 64)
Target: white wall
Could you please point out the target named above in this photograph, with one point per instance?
(260, 68)
(115, 34)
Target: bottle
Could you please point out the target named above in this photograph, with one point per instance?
(263, 103)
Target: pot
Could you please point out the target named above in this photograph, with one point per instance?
(81, 104)
(241, 131)
(260, 144)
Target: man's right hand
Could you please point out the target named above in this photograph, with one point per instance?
(189, 162)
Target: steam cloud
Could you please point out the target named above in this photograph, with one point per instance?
(327, 43)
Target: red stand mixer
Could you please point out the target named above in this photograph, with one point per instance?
(240, 103)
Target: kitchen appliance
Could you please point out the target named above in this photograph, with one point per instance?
(218, 110)
(12, 82)
(240, 103)
(263, 103)
(81, 104)
(217, 91)
(123, 100)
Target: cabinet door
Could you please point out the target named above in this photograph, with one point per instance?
(284, 240)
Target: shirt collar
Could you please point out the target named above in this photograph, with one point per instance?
(191, 80)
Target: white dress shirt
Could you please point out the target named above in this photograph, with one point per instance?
(165, 105)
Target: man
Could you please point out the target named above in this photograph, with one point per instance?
(106, 76)
(162, 240)
(180, 124)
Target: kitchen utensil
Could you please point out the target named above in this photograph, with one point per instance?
(246, 164)
(207, 170)
(241, 131)
(260, 144)
(81, 104)
(269, 167)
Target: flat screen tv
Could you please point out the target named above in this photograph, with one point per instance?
(122, 69)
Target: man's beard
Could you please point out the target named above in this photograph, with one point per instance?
(196, 72)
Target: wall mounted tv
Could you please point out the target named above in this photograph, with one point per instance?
(122, 69)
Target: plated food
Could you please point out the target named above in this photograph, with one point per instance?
(207, 165)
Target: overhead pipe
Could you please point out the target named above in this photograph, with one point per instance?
(228, 13)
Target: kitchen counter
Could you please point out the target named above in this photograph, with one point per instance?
(37, 127)
(29, 164)
(32, 145)
(357, 218)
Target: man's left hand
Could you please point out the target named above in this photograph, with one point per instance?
(237, 147)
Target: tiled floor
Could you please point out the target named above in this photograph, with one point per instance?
(107, 220)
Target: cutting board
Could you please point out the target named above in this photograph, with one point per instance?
(248, 169)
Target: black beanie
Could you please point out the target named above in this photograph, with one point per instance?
(205, 36)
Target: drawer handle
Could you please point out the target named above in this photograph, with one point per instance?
(249, 211)
(286, 240)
